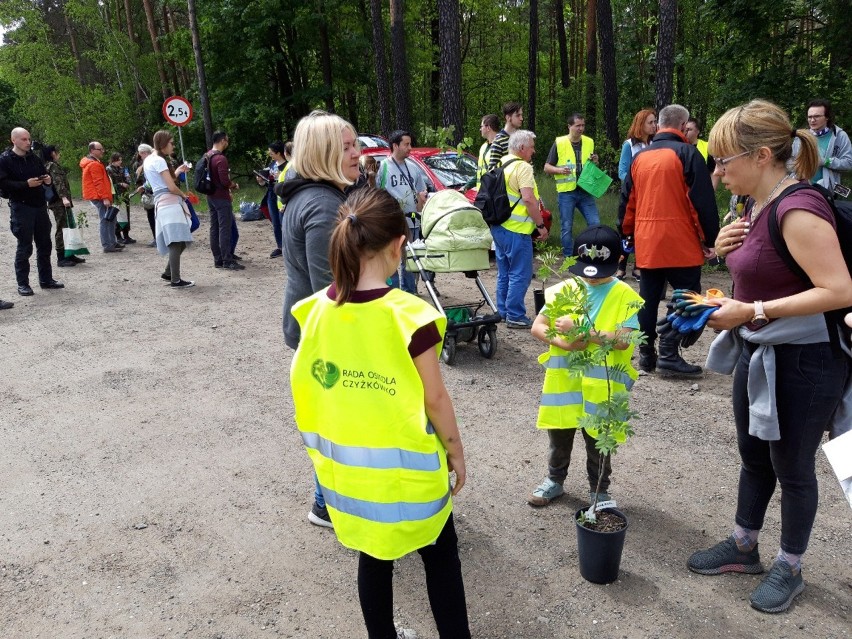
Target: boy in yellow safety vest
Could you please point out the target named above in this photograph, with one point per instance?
(566, 398)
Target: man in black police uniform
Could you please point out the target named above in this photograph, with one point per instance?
(22, 180)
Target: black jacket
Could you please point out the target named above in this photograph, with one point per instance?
(14, 173)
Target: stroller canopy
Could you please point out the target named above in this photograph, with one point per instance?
(449, 222)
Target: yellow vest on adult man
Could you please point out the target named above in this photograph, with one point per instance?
(565, 156)
(360, 410)
(566, 398)
(519, 221)
(482, 162)
(701, 145)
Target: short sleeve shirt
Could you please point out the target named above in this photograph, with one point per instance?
(521, 176)
(154, 165)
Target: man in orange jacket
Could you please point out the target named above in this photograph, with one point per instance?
(97, 188)
(669, 209)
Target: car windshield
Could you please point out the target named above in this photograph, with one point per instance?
(452, 169)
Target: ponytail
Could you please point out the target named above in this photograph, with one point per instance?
(807, 161)
(367, 223)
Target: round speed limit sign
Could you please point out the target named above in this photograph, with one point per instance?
(177, 110)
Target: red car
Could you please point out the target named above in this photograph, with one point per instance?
(440, 169)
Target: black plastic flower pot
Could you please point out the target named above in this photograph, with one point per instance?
(600, 552)
(538, 300)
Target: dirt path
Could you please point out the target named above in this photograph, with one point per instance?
(152, 483)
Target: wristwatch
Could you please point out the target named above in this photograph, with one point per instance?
(759, 318)
(539, 226)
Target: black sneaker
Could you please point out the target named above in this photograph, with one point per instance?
(182, 284)
(5, 305)
(276, 253)
(233, 266)
(65, 262)
(778, 589)
(77, 260)
(319, 516)
(725, 557)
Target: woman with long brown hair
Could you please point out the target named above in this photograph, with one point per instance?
(642, 129)
(172, 217)
(788, 378)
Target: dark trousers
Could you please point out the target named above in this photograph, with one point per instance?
(809, 383)
(152, 221)
(31, 224)
(651, 288)
(561, 445)
(221, 221)
(443, 583)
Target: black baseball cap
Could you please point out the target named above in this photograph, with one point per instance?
(597, 249)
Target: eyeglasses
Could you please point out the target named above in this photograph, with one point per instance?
(723, 162)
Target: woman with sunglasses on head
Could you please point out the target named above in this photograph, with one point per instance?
(788, 379)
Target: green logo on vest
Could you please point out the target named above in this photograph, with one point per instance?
(326, 373)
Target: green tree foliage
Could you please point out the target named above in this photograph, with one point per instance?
(73, 70)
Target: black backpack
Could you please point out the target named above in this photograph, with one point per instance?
(203, 180)
(834, 320)
(492, 198)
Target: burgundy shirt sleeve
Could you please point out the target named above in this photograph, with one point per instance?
(424, 338)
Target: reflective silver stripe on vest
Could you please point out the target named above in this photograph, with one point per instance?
(380, 458)
(574, 398)
(384, 513)
(595, 372)
(565, 178)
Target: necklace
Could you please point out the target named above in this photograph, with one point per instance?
(756, 211)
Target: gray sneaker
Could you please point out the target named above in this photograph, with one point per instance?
(319, 516)
(778, 589)
(725, 557)
(545, 492)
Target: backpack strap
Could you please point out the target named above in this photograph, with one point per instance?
(502, 175)
(777, 238)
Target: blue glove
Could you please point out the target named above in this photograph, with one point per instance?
(694, 323)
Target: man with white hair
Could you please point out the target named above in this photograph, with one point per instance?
(512, 242)
(669, 210)
(22, 179)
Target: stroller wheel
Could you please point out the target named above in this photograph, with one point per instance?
(488, 342)
(448, 353)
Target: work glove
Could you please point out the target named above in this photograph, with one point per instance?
(687, 316)
(627, 245)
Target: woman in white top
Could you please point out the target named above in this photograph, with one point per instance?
(172, 217)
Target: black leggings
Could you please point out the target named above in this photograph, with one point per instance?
(443, 583)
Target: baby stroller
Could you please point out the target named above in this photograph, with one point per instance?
(456, 240)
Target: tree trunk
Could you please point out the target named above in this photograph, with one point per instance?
(168, 28)
(382, 86)
(608, 74)
(432, 115)
(400, 66)
(325, 58)
(591, 68)
(128, 14)
(532, 66)
(564, 74)
(73, 42)
(152, 31)
(202, 76)
(450, 35)
(665, 53)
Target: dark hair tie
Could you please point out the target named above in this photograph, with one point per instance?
(352, 218)
(793, 134)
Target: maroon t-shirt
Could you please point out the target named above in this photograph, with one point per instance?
(220, 173)
(757, 269)
(424, 338)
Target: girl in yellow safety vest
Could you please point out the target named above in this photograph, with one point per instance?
(377, 422)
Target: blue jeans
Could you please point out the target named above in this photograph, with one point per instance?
(568, 201)
(808, 387)
(514, 272)
(409, 280)
(274, 216)
(318, 493)
(107, 227)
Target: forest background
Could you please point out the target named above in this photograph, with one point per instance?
(76, 70)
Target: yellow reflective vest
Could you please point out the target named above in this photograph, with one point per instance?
(564, 398)
(565, 157)
(482, 162)
(281, 175)
(361, 414)
(519, 221)
(701, 145)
